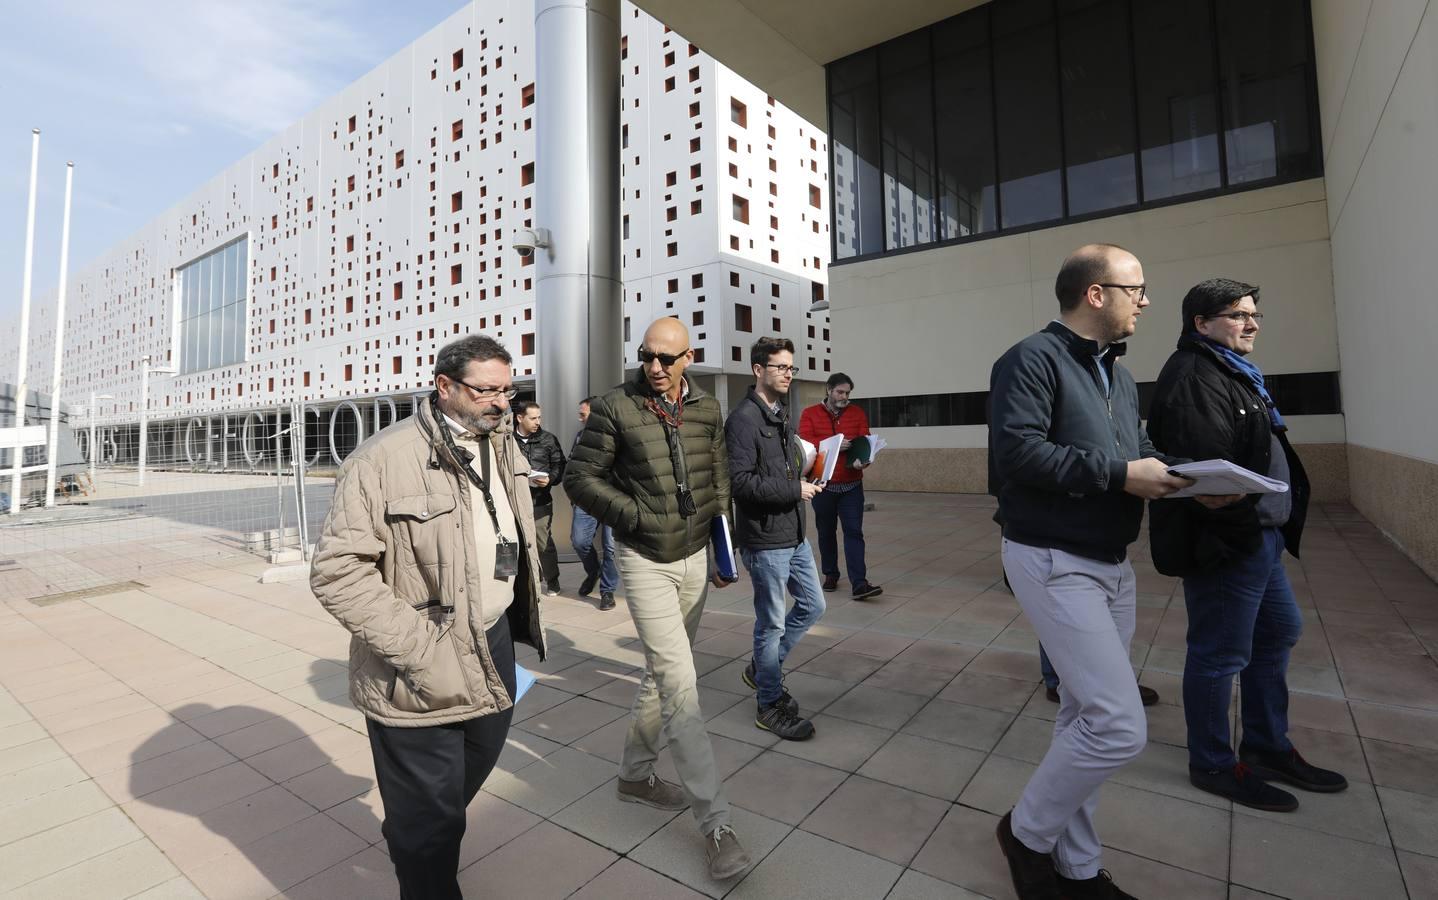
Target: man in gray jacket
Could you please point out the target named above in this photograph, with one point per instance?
(427, 558)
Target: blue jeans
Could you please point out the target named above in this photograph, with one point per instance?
(1242, 620)
(1046, 668)
(830, 509)
(581, 535)
(774, 633)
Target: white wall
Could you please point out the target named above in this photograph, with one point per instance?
(975, 300)
(1378, 79)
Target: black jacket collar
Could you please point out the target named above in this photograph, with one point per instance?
(1193, 342)
(1082, 346)
(773, 418)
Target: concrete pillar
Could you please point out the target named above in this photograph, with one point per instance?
(578, 287)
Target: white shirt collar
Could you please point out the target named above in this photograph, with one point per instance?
(458, 429)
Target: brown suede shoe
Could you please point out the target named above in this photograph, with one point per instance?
(726, 857)
(653, 791)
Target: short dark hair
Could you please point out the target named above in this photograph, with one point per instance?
(522, 407)
(765, 348)
(837, 379)
(1211, 297)
(454, 358)
(589, 401)
(1085, 266)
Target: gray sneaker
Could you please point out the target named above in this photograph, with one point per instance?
(653, 791)
(726, 857)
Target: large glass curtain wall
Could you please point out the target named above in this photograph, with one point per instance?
(212, 308)
(1023, 113)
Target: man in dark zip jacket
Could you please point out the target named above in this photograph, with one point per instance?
(1211, 402)
(765, 463)
(1071, 467)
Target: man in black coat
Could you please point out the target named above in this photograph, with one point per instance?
(1071, 467)
(1211, 402)
(546, 458)
(770, 493)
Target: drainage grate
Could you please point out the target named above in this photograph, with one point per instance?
(99, 590)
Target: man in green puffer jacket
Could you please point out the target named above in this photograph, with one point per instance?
(651, 464)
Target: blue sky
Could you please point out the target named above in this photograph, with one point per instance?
(150, 98)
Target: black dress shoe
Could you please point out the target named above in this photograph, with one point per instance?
(587, 585)
(831, 582)
(1052, 693)
(1148, 695)
(1291, 768)
(606, 600)
(1241, 785)
(1099, 887)
(1032, 872)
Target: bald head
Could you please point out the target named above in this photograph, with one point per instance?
(664, 354)
(1088, 265)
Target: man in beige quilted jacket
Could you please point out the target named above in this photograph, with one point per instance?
(428, 559)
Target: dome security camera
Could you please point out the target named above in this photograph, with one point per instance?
(526, 240)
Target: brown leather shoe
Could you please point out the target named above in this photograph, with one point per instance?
(653, 791)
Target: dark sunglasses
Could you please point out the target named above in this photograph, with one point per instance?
(665, 359)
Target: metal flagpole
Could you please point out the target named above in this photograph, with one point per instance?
(52, 449)
(22, 389)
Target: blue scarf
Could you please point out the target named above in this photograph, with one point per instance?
(1255, 378)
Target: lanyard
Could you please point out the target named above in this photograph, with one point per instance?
(465, 458)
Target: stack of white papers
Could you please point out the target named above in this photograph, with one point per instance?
(1219, 477)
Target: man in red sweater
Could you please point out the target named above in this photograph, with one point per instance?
(842, 499)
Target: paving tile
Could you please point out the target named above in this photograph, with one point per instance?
(47, 810)
(177, 888)
(1403, 766)
(1143, 877)
(163, 771)
(1412, 818)
(122, 872)
(1354, 813)
(571, 720)
(988, 691)
(336, 781)
(490, 824)
(1289, 862)
(842, 665)
(1189, 835)
(276, 862)
(910, 678)
(838, 743)
(963, 851)
(606, 742)
(737, 723)
(522, 748)
(16, 759)
(364, 814)
(807, 865)
(544, 862)
(1399, 726)
(368, 875)
(956, 723)
(877, 818)
(48, 852)
(914, 885)
(782, 787)
(192, 839)
(677, 849)
(997, 785)
(537, 699)
(23, 733)
(610, 822)
(552, 783)
(923, 765)
(876, 706)
(626, 880)
(1420, 874)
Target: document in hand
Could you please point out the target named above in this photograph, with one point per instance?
(1216, 477)
(523, 681)
(819, 467)
(724, 562)
(865, 448)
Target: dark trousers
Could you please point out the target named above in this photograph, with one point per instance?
(544, 542)
(1242, 620)
(428, 775)
(832, 509)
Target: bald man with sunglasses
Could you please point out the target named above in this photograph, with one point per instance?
(651, 464)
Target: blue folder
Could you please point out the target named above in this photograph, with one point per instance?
(725, 562)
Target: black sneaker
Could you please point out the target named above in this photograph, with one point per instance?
(606, 600)
(831, 582)
(786, 699)
(1291, 768)
(778, 719)
(864, 590)
(1099, 887)
(551, 589)
(1241, 785)
(1032, 872)
(587, 585)
(1148, 695)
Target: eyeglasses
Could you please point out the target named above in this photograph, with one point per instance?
(1141, 288)
(1245, 317)
(665, 359)
(789, 370)
(508, 393)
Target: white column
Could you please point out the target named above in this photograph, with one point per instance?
(578, 287)
(22, 387)
(52, 448)
(144, 407)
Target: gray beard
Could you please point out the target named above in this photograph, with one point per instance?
(477, 424)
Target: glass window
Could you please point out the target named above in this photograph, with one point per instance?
(212, 304)
(1026, 97)
(907, 110)
(1264, 86)
(1177, 102)
(1098, 113)
(854, 136)
(965, 126)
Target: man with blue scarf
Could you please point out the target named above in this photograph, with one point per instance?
(1211, 402)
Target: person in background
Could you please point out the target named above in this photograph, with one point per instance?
(842, 500)
(1211, 402)
(582, 532)
(546, 462)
